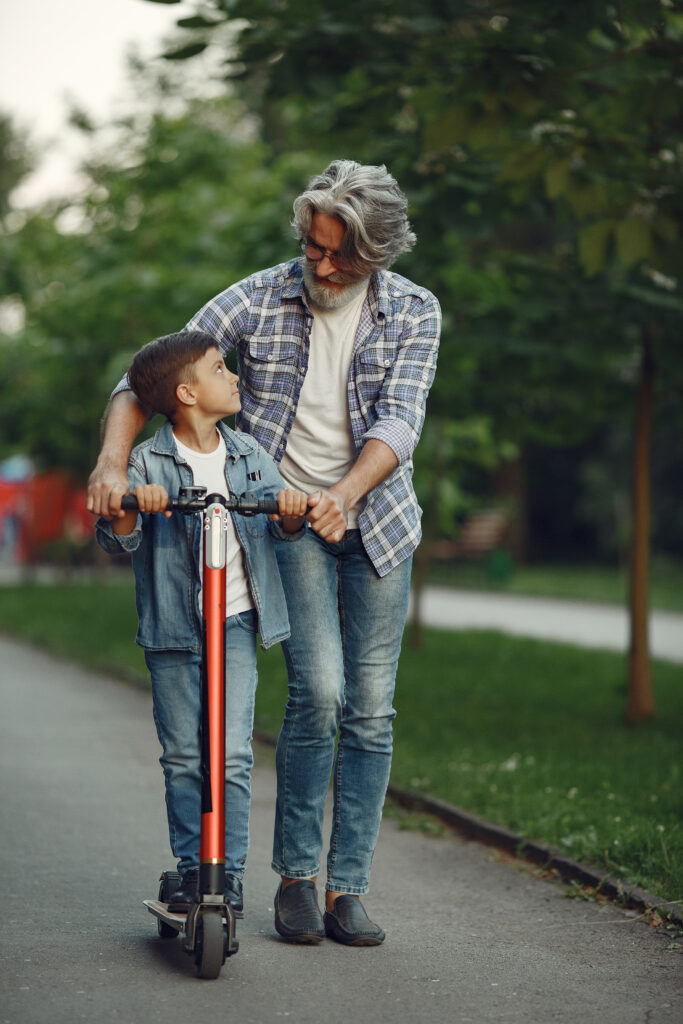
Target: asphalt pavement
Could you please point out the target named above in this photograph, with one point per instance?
(471, 936)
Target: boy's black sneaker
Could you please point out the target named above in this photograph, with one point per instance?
(183, 899)
(233, 894)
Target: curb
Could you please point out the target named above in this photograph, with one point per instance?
(474, 827)
(483, 831)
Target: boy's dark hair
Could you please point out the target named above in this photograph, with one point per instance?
(161, 365)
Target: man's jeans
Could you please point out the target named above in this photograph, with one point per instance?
(347, 623)
(176, 689)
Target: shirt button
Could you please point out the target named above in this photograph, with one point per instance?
(269, 357)
(387, 362)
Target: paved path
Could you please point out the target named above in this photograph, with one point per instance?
(471, 937)
(574, 622)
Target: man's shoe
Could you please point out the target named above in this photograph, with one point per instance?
(297, 915)
(181, 901)
(349, 924)
(233, 894)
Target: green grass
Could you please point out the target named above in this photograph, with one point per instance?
(580, 582)
(93, 623)
(527, 734)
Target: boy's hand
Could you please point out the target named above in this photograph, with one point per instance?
(292, 507)
(152, 498)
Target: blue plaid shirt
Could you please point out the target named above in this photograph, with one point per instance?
(266, 318)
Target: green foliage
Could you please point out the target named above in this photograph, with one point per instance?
(16, 159)
(177, 209)
(540, 147)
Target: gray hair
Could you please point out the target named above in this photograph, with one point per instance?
(370, 205)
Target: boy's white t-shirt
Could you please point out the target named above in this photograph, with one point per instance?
(209, 471)
(320, 447)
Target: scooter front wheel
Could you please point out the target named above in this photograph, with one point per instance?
(210, 944)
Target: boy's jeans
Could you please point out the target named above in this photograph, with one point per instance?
(176, 690)
(347, 624)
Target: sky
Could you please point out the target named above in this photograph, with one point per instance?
(51, 50)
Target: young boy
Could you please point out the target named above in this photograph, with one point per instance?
(184, 376)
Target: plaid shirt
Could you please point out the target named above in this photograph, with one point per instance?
(267, 320)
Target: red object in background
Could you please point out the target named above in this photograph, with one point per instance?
(44, 508)
(41, 512)
(10, 492)
(79, 524)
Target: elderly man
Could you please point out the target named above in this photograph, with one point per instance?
(336, 355)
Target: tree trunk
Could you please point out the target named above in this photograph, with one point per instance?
(640, 698)
(510, 484)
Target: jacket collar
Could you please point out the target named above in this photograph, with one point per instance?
(237, 445)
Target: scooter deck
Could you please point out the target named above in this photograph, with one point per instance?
(161, 911)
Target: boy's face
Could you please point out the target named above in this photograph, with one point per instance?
(215, 387)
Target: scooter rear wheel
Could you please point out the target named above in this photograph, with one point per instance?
(210, 945)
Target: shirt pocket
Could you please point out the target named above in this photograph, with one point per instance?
(270, 365)
(372, 365)
(272, 348)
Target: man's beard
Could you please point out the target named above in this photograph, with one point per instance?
(332, 298)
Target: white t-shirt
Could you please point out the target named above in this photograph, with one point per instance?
(209, 471)
(320, 448)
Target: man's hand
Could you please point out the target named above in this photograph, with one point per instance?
(107, 484)
(327, 514)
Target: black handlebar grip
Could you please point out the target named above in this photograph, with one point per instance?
(243, 505)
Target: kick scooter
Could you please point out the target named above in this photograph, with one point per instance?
(209, 925)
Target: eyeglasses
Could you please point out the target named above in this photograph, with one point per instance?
(315, 253)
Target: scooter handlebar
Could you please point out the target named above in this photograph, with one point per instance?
(195, 499)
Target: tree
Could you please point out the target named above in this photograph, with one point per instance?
(16, 159)
(556, 128)
(176, 208)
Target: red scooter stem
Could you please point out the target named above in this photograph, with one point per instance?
(214, 510)
(212, 842)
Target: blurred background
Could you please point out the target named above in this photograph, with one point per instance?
(150, 156)
(150, 151)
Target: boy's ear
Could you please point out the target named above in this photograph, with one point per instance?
(185, 394)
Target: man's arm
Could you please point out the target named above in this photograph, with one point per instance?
(400, 414)
(328, 515)
(108, 481)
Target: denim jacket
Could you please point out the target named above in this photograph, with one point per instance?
(166, 552)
